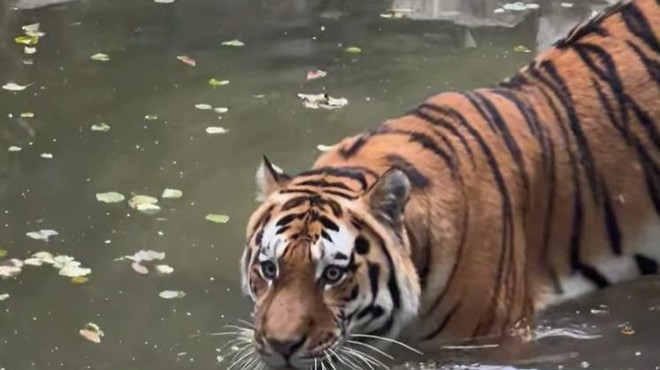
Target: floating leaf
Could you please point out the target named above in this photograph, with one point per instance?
(71, 270)
(11, 86)
(567, 5)
(353, 50)
(203, 106)
(27, 115)
(215, 82)
(140, 269)
(187, 60)
(92, 332)
(532, 6)
(172, 294)
(42, 234)
(46, 155)
(316, 74)
(164, 1)
(148, 208)
(217, 218)
(110, 197)
(26, 40)
(151, 117)
(33, 262)
(516, 7)
(144, 255)
(100, 127)
(33, 30)
(29, 50)
(10, 268)
(172, 194)
(216, 130)
(316, 101)
(164, 269)
(141, 199)
(237, 43)
(4, 296)
(14, 148)
(79, 279)
(521, 49)
(100, 57)
(3, 253)
(221, 110)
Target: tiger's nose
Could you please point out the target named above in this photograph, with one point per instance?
(286, 348)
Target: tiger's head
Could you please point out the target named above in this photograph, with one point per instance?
(327, 263)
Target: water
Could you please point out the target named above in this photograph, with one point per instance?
(447, 45)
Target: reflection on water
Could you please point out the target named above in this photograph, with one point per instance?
(446, 45)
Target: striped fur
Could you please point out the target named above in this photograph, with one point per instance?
(474, 210)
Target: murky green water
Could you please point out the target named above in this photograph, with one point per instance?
(449, 44)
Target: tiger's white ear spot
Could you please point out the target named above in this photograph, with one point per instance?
(269, 179)
(387, 198)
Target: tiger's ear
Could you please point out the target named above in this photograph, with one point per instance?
(387, 198)
(270, 178)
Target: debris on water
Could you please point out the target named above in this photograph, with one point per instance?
(216, 130)
(217, 218)
(567, 5)
(516, 6)
(143, 255)
(27, 115)
(627, 329)
(12, 86)
(171, 194)
(144, 203)
(164, 269)
(325, 101)
(203, 106)
(151, 117)
(575, 333)
(14, 149)
(92, 333)
(236, 43)
(584, 364)
(602, 310)
(10, 268)
(353, 50)
(521, 49)
(33, 30)
(110, 197)
(4, 296)
(164, 1)
(100, 127)
(79, 279)
(315, 74)
(26, 40)
(396, 13)
(140, 269)
(221, 110)
(172, 294)
(3, 253)
(215, 82)
(187, 60)
(100, 57)
(43, 234)
(29, 50)
(46, 155)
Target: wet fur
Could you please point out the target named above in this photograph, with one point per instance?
(520, 196)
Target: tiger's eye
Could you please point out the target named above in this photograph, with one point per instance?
(332, 274)
(268, 270)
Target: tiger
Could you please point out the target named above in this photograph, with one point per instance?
(471, 212)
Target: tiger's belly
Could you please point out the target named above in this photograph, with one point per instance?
(642, 258)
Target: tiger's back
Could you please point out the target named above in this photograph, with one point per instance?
(545, 187)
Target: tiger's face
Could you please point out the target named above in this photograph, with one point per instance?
(326, 266)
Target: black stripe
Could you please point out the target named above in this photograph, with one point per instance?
(294, 202)
(323, 184)
(611, 224)
(594, 275)
(373, 271)
(477, 99)
(652, 66)
(340, 194)
(361, 246)
(417, 179)
(445, 320)
(427, 143)
(304, 191)
(563, 94)
(326, 236)
(638, 25)
(340, 256)
(354, 173)
(328, 223)
(646, 265)
(355, 147)
(289, 218)
(391, 283)
(507, 207)
(441, 123)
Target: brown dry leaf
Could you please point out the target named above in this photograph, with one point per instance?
(187, 60)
